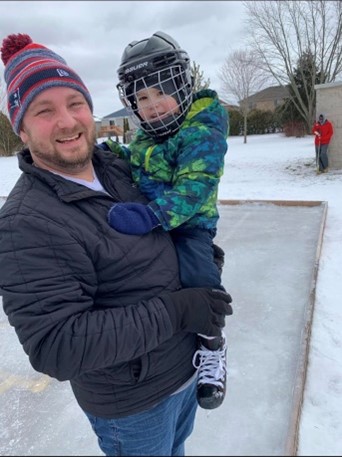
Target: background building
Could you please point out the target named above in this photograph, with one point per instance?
(329, 102)
(267, 99)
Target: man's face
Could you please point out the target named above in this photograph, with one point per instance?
(59, 129)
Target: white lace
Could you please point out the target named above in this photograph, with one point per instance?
(211, 365)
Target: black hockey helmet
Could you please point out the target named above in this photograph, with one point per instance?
(160, 62)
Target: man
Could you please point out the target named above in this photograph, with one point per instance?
(89, 304)
(323, 131)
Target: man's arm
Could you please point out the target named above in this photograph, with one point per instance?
(49, 293)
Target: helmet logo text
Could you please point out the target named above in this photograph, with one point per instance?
(136, 67)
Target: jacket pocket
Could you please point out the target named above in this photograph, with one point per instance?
(124, 374)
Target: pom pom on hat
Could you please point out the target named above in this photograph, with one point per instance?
(12, 44)
(31, 68)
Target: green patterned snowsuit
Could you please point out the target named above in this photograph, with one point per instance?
(181, 175)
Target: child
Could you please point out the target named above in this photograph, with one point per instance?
(177, 159)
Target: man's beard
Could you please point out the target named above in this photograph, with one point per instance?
(55, 159)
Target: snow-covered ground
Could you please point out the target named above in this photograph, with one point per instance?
(273, 167)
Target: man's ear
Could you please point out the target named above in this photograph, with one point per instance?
(23, 136)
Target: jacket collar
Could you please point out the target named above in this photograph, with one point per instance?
(65, 189)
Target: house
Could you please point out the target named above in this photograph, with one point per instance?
(118, 123)
(120, 118)
(267, 99)
(229, 107)
(98, 123)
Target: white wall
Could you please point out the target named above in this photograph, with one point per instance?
(329, 101)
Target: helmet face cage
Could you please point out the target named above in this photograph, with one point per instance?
(174, 81)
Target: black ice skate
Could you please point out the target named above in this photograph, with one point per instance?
(212, 372)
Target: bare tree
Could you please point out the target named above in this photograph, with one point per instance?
(282, 32)
(241, 77)
(3, 107)
(198, 77)
(9, 141)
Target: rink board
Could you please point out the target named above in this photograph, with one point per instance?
(272, 254)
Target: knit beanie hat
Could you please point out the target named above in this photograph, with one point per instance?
(30, 68)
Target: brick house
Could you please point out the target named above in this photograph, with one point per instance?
(267, 99)
(114, 124)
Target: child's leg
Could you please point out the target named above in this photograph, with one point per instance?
(195, 252)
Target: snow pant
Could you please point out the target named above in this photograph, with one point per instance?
(196, 257)
(322, 160)
(197, 267)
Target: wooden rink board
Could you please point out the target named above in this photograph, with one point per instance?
(272, 256)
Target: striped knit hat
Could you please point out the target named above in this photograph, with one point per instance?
(31, 68)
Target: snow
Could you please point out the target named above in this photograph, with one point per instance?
(273, 167)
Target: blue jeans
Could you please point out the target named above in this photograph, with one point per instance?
(162, 430)
(322, 160)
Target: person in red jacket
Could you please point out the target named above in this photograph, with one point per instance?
(323, 131)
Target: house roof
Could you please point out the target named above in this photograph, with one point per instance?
(229, 106)
(120, 113)
(270, 93)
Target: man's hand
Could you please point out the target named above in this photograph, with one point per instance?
(198, 310)
(132, 218)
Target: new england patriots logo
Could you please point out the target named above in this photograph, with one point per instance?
(14, 100)
(62, 72)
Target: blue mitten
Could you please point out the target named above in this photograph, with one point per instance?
(132, 218)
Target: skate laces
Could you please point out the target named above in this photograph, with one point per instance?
(211, 365)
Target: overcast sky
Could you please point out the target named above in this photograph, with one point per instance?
(91, 35)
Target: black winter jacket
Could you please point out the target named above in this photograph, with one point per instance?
(83, 298)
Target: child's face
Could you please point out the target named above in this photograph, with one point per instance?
(154, 104)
